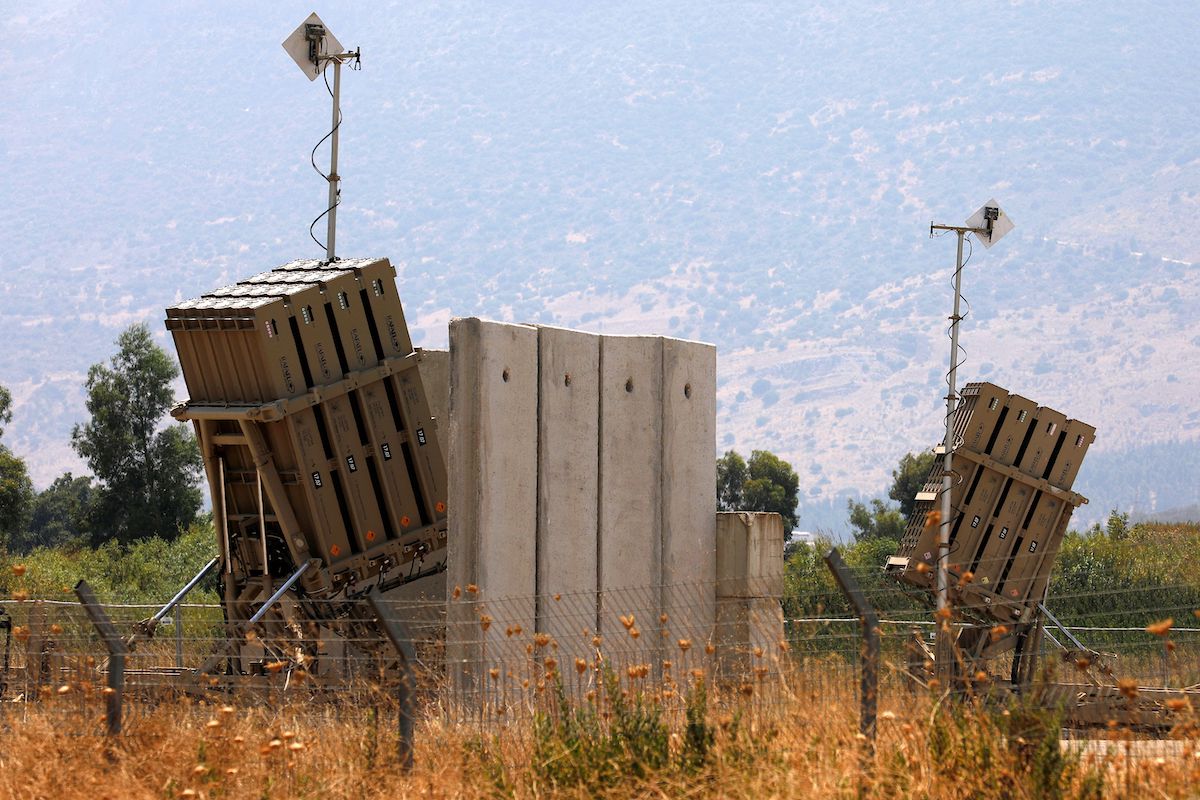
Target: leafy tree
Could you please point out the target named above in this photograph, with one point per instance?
(5, 408)
(907, 479)
(764, 483)
(875, 521)
(60, 512)
(16, 497)
(731, 477)
(147, 474)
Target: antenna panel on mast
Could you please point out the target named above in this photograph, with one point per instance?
(992, 223)
(309, 43)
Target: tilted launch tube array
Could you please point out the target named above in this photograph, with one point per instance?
(307, 400)
(1014, 465)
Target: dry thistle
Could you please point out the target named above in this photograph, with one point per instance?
(457, 593)
(666, 666)
(784, 646)
(472, 589)
(541, 639)
(18, 569)
(20, 596)
(684, 644)
(485, 621)
(21, 633)
(966, 578)
(275, 666)
(1128, 687)
(998, 632)
(516, 629)
(634, 632)
(557, 597)
(550, 663)
(596, 640)
(627, 621)
(662, 618)
(1178, 703)
(933, 519)
(1082, 663)
(495, 673)
(747, 689)
(56, 629)
(1161, 627)
(921, 567)
(758, 652)
(580, 666)
(710, 648)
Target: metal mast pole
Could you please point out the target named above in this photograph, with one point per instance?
(945, 642)
(334, 179)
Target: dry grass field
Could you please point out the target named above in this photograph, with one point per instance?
(786, 741)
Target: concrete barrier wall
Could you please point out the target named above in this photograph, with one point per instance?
(689, 480)
(589, 474)
(630, 529)
(492, 509)
(568, 419)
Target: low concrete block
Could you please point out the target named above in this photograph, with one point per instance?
(749, 554)
(749, 590)
(748, 633)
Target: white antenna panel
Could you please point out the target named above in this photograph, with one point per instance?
(1000, 223)
(311, 44)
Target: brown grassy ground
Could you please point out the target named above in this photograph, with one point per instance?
(798, 742)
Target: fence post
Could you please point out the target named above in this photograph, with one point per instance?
(117, 651)
(870, 649)
(398, 635)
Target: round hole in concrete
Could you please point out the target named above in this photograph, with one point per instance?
(629, 384)
(504, 375)
(567, 379)
(687, 391)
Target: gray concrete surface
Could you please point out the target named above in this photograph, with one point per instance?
(749, 563)
(567, 471)
(492, 510)
(688, 482)
(435, 377)
(630, 531)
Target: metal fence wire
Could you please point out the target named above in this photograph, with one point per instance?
(494, 663)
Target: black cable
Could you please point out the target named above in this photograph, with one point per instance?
(312, 158)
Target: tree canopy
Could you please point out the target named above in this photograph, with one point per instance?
(907, 479)
(764, 483)
(147, 474)
(5, 408)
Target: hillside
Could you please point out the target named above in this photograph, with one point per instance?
(754, 174)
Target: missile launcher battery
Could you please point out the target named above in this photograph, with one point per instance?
(318, 443)
(1014, 464)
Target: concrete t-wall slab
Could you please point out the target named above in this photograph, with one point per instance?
(568, 474)
(435, 377)
(629, 506)
(492, 491)
(688, 486)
